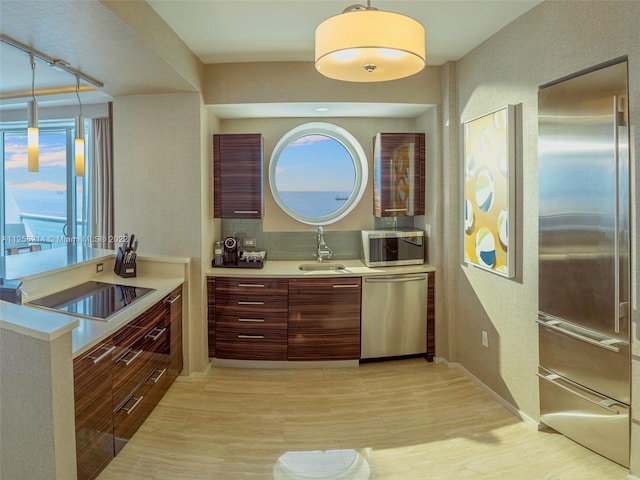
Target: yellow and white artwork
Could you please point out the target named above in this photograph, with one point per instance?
(488, 192)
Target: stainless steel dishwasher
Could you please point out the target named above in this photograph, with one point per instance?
(394, 315)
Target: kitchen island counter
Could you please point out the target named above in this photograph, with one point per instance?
(50, 271)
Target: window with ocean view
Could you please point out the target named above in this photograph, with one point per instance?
(46, 209)
(318, 173)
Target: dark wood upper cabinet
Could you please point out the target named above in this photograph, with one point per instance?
(399, 174)
(237, 175)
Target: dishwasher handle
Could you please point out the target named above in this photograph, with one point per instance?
(395, 279)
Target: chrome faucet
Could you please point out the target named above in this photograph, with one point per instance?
(323, 250)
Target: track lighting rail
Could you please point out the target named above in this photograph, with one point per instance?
(56, 63)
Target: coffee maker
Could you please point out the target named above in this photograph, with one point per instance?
(230, 254)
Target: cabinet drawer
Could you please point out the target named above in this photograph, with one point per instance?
(265, 344)
(130, 415)
(251, 286)
(251, 305)
(253, 323)
(134, 363)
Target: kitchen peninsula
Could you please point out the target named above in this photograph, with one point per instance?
(38, 350)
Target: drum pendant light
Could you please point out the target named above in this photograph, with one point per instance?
(79, 141)
(33, 148)
(364, 44)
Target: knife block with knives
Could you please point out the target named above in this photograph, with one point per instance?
(126, 258)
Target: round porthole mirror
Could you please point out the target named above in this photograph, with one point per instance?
(318, 173)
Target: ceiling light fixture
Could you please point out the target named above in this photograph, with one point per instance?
(33, 147)
(364, 44)
(79, 142)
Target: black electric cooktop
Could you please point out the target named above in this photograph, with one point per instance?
(95, 300)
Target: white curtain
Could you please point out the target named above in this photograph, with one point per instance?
(102, 215)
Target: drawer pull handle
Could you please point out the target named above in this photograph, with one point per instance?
(174, 299)
(245, 211)
(606, 403)
(240, 302)
(350, 285)
(106, 353)
(251, 336)
(160, 332)
(132, 407)
(159, 376)
(395, 209)
(251, 285)
(136, 355)
(251, 320)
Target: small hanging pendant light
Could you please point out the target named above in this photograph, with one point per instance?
(79, 141)
(33, 148)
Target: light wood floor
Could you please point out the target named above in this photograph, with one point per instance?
(407, 419)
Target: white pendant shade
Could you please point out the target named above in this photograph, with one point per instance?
(79, 147)
(33, 143)
(369, 46)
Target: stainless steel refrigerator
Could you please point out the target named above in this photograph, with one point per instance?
(583, 259)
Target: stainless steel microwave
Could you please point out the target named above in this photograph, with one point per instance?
(385, 248)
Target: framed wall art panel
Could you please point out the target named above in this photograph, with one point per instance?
(489, 192)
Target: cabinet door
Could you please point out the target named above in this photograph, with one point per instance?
(211, 315)
(324, 319)
(94, 419)
(399, 174)
(237, 176)
(174, 301)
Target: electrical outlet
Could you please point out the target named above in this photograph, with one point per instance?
(427, 230)
(249, 242)
(99, 267)
(485, 339)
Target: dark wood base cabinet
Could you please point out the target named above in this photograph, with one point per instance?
(251, 318)
(94, 419)
(211, 315)
(293, 319)
(120, 382)
(324, 319)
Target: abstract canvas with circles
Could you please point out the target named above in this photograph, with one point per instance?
(489, 193)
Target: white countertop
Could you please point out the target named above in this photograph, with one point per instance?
(290, 268)
(90, 332)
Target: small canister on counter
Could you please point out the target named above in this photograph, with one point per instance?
(218, 258)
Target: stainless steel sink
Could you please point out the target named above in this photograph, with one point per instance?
(315, 267)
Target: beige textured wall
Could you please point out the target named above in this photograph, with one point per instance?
(158, 160)
(555, 39)
(269, 82)
(37, 420)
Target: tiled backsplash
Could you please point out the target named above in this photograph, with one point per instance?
(302, 245)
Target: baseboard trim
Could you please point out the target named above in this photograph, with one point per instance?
(511, 408)
(195, 375)
(283, 364)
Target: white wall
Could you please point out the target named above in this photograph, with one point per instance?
(555, 39)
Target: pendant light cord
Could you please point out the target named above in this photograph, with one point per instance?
(33, 77)
(78, 93)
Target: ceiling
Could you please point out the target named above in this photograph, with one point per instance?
(218, 31)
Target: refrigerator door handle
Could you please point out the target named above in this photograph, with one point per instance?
(606, 343)
(616, 224)
(605, 403)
